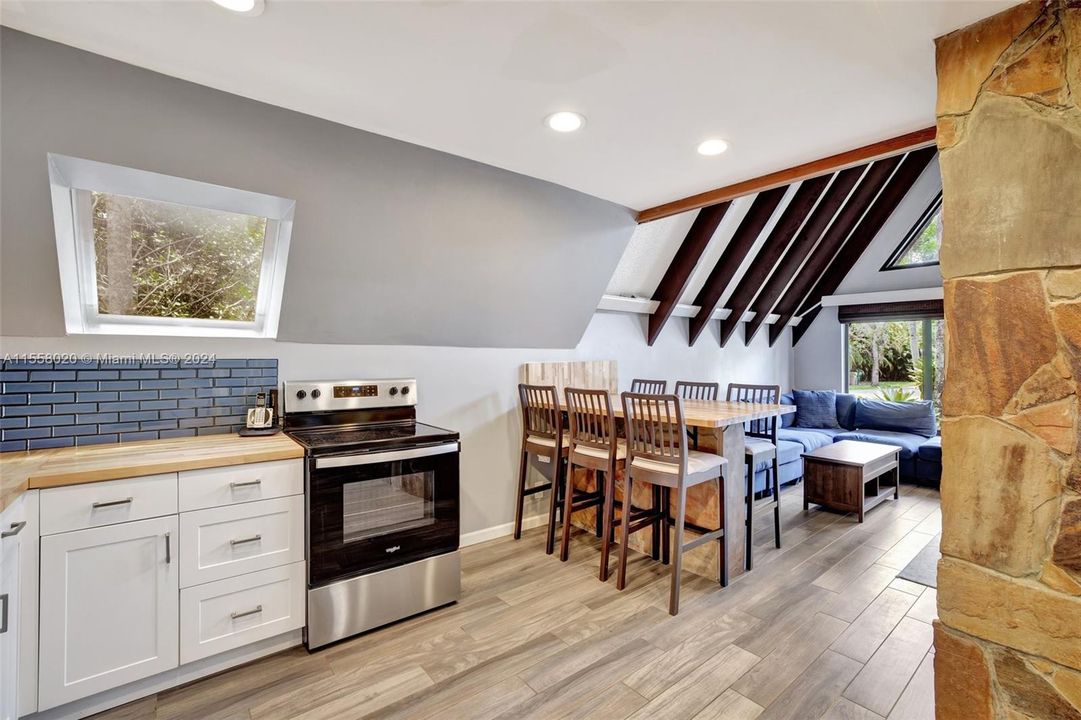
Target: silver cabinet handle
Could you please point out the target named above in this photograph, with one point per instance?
(168, 548)
(4, 614)
(253, 538)
(253, 611)
(16, 528)
(249, 483)
(111, 503)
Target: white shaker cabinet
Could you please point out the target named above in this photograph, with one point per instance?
(109, 607)
(12, 523)
(19, 607)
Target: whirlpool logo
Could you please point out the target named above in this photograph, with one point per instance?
(393, 549)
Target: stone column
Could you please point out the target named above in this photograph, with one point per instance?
(1008, 644)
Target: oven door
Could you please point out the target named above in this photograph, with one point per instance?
(371, 511)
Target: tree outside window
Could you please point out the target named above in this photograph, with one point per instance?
(158, 259)
(897, 360)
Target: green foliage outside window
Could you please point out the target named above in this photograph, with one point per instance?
(890, 360)
(158, 259)
(924, 248)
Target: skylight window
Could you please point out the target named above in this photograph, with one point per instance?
(148, 254)
(921, 245)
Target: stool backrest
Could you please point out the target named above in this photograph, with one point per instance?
(649, 387)
(771, 394)
(697, 390)
(592, 422)
(655, 428)
(540, 411)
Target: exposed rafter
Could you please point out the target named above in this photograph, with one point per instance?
(734, 252)
(674, 282)
(825, 166)
(838, 232)
(793, 217)
(887, 201)
(801, 247)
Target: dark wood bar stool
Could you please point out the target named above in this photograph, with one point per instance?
(760, 444)
(651, 387)
(657, 453)
(542, 435)
(595, 446)
(689, 390)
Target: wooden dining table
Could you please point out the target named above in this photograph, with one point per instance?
(720, 424)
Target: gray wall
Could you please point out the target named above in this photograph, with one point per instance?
(392, 244)
(819, 356)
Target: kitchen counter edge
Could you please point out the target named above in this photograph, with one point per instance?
(38, 469)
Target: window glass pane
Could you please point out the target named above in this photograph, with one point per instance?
(158, 259)
(938, 361)
(924, 247)
(884, 359)
(900, 372)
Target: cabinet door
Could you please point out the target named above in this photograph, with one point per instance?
(9, 623)
(109, 608)
(17, 538)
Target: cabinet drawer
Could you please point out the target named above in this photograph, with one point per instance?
(213, 487)
(227, 614)
(223, 542)
(77, 507)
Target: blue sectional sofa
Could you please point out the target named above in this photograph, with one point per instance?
(910, 426)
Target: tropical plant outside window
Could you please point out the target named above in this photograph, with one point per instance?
(164, 260)
(897, 360)
(922, 243)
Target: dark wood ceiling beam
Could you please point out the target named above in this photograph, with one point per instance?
(884, 205)
(674, 282)
(825, 166)
(735, 251)
(801, 247)
(794, 216)
(870, 185)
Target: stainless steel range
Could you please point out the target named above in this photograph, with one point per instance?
(382, 504)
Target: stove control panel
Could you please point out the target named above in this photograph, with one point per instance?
(326, 395)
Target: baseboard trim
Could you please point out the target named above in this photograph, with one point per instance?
(498, 531)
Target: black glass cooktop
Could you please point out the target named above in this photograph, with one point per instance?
(370, 436)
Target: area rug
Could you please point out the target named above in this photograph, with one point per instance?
(924, 567)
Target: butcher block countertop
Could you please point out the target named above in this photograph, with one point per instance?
(20, 471)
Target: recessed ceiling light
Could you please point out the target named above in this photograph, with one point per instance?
(565, 121)
(712, 147)
(242, 7)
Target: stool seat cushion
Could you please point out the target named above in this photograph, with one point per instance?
(602, 453)
(758, 446)
(546, 441)
(696, 462)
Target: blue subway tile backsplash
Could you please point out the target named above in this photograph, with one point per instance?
(50, 405)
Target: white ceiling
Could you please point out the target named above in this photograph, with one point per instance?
(784, 82)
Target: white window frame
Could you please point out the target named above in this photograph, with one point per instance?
(73, 180)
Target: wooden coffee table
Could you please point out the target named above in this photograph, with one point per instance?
(848, 475)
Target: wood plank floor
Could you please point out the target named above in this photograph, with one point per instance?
(820, 629)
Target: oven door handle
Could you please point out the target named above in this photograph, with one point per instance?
(384, 457)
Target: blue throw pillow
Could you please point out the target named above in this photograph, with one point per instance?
(787, 420)
(846, 411)
(916, 417)
(816, 408)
